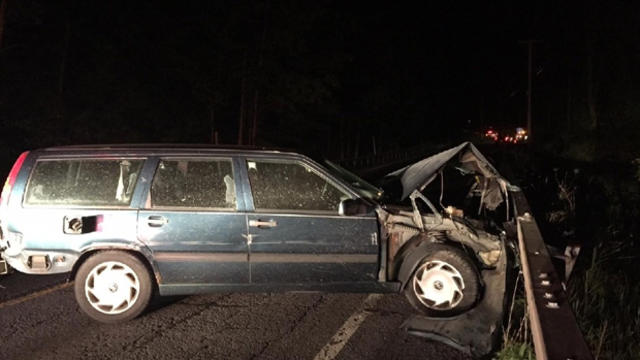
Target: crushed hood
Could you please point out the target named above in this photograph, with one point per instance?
(466, 156)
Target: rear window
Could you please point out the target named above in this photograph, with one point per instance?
(85, 182)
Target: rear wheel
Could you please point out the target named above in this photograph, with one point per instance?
(445, 282)
(113, 286)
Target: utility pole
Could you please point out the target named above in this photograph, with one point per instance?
(529, 81)
(3, 11)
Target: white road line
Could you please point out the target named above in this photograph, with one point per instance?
(35, 295)
(342, 336)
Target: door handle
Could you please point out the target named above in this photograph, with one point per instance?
(156, 221)
(263, 224)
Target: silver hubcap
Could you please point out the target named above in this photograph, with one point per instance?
(438, 285)
(112, 287)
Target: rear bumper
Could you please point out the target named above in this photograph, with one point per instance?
(4, 268)
(33, 261)
(40, 261)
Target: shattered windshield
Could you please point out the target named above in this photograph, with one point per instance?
(364, 188)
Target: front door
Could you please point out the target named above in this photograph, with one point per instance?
(297, 235)
(191, 223)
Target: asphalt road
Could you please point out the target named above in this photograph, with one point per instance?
(39, 319)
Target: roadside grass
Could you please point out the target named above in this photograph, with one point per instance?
(602, 210)
(516, 351)
(606, 301)
(516, 338)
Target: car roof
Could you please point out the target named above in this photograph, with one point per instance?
(152, 149)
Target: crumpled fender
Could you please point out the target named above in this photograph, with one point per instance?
(475, 332)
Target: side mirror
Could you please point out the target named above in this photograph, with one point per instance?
(354, 207)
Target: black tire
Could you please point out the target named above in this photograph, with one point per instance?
(113, 276)
(445, 272)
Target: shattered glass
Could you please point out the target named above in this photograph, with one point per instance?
(291, 186)
(194, 184)
(83, 182)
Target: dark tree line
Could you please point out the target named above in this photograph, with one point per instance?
(331, 78)
(588, 102)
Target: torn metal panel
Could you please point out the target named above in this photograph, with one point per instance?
(477, 331)
(469, 159)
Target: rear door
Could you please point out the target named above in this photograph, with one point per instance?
(297, 235)
(73, 203)
(192, 224)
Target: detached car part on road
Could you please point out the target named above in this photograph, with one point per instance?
(126, 221)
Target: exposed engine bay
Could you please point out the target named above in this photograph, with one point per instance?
(448, 225)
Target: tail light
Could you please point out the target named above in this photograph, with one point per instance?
(11, 179)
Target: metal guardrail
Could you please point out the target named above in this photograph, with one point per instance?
(387, 158)
(554, 329)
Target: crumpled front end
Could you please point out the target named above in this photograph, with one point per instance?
(400, 229)
(451, 235)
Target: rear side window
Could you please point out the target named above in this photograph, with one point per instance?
(194, 183)
(85, 182)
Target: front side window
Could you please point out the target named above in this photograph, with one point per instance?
(84, 182)
(291, 186)
(193, 183)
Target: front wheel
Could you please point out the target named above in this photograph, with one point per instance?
(445, 282)
(113, 286)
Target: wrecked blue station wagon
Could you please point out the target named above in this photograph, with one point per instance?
(126, 221)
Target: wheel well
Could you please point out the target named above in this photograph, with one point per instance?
(90, 253)
(423, 241)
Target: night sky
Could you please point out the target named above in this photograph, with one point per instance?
(323, 77)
